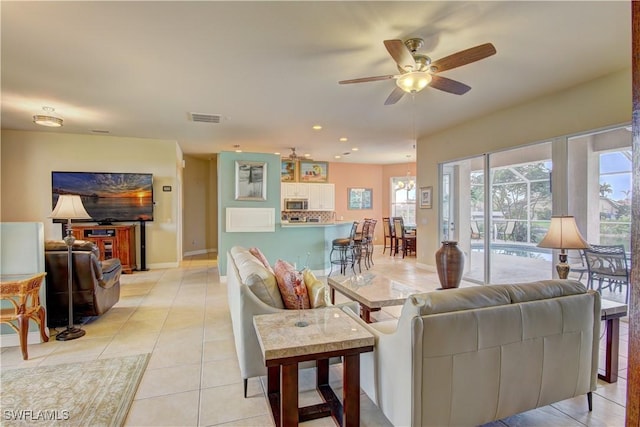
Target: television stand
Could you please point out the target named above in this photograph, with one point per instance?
(113, 241)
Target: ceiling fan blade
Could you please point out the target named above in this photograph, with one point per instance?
(448, 85)
(394, 96)
(463, 57)
(366, 79)
(401, 54)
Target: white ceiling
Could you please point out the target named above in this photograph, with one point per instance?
(137, 69)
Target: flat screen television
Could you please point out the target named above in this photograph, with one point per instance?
(108, 197)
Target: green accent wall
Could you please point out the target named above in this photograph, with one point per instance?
(290, 243)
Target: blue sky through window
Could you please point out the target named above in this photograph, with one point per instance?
(615, 170)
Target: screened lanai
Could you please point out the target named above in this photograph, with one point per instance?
(498, 206)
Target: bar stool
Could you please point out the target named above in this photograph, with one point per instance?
(343, 251)
(361, 244)
(370, 240)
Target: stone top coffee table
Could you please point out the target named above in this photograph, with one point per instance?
(372, 291)
(330, 333)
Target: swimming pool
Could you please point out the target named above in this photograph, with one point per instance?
(525, 251)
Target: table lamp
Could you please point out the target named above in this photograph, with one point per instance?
(563, 234)
(69, 207)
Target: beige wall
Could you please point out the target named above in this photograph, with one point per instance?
(596, 104)
(28, 158)
(200, 212)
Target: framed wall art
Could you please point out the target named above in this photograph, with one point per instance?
(289, 171)
(311, 171)
(360, 198)
(251, 180)
(425, 197)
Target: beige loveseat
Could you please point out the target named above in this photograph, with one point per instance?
(252, 290)
(469, 356)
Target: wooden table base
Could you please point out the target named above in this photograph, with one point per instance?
(612, 326)
(282, 390)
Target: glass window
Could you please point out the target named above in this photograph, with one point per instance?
(403, 198)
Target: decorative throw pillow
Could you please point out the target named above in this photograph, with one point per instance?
(256, 252)
(291, 285)
(261, 281)
(318, 295)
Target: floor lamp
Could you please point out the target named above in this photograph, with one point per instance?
(69, 207)
(563, 234)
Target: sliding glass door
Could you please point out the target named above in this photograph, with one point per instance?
(521, 209)
(498, 206)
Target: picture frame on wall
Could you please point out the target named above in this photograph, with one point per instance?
(360, 198)
(289, 171)
(311, 171)
(425, 197)
(251, 180)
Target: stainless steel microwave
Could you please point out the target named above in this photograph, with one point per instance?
(296, 204)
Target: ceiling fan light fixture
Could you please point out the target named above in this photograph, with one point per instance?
(414, 81)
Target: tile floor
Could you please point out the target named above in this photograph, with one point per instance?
(181, 317)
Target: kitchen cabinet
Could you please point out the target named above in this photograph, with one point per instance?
(294, 190)
(322, 197)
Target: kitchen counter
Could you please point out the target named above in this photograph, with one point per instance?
(287, 224)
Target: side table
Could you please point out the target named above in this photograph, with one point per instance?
(23, 292)
(611, 312)
(330, 333)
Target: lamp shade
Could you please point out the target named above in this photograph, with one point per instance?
(563, 234)
(69, 206)
(414, 81)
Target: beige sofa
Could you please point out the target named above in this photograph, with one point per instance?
(252, 290)
(473, 355)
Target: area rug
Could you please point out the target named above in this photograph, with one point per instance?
(94, 393)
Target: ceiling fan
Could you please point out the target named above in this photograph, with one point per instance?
(417, 71)
(294, 156)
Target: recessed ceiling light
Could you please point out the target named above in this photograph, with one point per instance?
(307, 155)
(344, 139)
(355, 149)
(336, 157)
(277, 154)
(317, 127)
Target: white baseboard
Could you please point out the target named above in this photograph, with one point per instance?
(200, 252)
(12, 339)
(428, 267)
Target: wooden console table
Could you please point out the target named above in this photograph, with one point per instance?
(330, 333)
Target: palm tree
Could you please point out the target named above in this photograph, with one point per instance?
(605, 189)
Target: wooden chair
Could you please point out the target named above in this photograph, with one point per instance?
(23, 292)
(388, 235)
(404, 241)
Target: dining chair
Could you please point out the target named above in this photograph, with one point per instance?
(608, 263)
(406, 242)
(388, 234)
